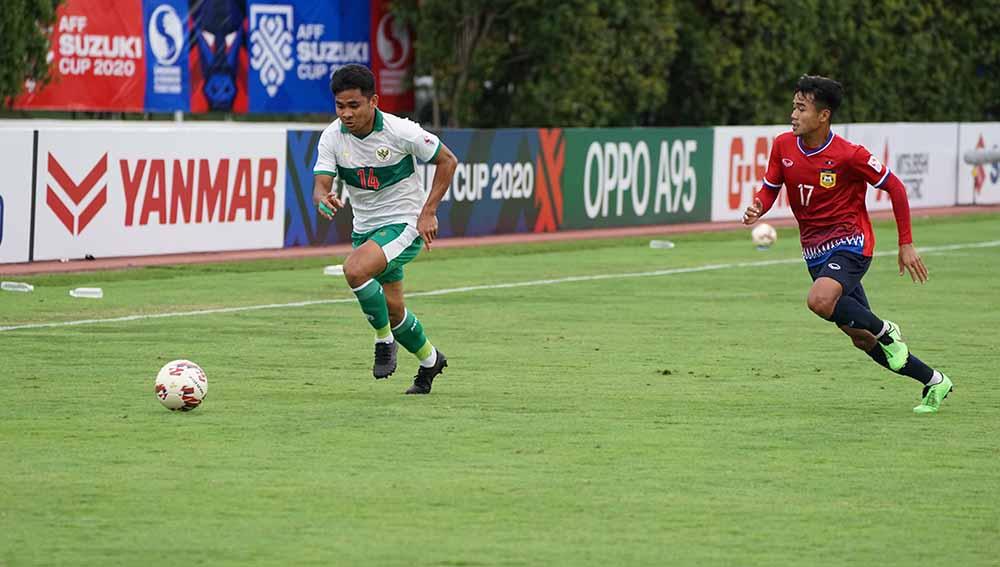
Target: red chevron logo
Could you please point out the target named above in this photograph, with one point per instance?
(74, 215)
(548, 185)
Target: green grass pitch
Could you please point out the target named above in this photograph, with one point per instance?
(688, 418)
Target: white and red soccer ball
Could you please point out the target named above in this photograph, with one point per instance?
(763, 235)
(181, 385)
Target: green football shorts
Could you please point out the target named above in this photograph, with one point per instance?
(400, 243)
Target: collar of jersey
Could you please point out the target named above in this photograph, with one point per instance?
(810, 153)
(376, 128)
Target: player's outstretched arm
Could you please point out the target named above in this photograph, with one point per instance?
(909, 260)
(427, 224)
(326, 202)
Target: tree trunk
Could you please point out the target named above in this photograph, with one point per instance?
(475, 26)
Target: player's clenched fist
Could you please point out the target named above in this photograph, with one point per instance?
(753, 212)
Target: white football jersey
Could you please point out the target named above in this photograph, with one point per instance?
(379, 170)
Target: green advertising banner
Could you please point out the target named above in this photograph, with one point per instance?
(629, 177)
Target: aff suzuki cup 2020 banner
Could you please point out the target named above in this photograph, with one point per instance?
(295, 45)
(96, 59)
(131, 191)
(219, 55)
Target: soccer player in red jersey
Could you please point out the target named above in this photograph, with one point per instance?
(826, 178)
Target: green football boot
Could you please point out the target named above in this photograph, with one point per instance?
(896, 352)
(934, 395)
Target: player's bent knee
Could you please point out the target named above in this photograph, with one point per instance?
(821, 305)
(353, 273)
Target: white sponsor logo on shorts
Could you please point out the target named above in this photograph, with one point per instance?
(834, 266)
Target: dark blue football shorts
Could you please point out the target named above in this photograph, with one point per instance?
(847, 268)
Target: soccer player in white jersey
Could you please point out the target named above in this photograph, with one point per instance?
(374, 153)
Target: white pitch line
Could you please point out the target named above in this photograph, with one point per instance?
(448, 291)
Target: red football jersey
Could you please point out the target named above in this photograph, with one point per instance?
(826, 190)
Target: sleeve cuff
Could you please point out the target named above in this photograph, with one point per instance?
(435, 154)
(324, 172)
(772, 185)
(882, 181)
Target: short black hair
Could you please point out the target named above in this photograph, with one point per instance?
(353, 76)
(826, 93)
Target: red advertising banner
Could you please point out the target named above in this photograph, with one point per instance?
(97, 59)
(392, 59)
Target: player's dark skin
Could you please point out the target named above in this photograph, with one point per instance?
(357, 113)
(812, 126)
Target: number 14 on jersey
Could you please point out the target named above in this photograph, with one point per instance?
(368, 180)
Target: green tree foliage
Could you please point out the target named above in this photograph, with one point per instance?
(24, 28)
(532, 63)
(898, 60)
(703, 62)
(738, 61)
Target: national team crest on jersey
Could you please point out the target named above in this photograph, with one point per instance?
(827, 178)
(383, 153)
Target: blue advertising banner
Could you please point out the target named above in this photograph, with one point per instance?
(167, 84)
(493, 191)
(303, 224)
(294, 47)
(506, 181)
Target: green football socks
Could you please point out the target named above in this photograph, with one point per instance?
(372, 301)
(410, 334)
